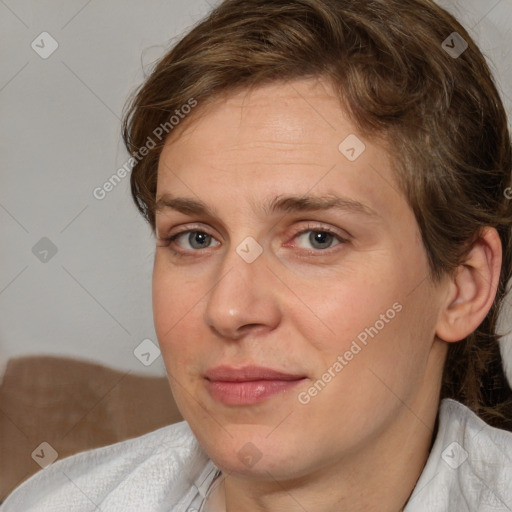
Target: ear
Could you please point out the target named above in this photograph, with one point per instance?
(471, 289)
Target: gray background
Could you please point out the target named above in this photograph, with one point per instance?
(60, 139)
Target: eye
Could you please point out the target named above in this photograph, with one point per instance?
(319, 239)
(189, 241)
(192, 240)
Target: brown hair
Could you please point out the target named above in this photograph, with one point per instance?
(442, 115)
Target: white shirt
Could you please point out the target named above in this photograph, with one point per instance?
(469, 469)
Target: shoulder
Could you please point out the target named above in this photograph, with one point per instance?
(469, 466)
(487, 450)
(136, 474)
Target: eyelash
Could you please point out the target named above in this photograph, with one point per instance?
(169, 241)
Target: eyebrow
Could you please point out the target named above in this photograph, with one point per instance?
(280, 204)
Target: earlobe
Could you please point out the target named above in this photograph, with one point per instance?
(472, 289)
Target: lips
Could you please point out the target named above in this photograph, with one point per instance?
(248, 385)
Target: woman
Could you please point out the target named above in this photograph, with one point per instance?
(326, 181)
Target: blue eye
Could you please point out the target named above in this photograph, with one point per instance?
(319, 239)
(195, 239)
(191, 241)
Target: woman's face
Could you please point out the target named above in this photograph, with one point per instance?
(293, 307)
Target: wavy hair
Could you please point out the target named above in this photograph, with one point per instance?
(388, 61)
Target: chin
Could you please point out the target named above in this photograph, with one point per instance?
(251, 453)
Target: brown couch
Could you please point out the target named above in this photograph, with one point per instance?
(73, 405)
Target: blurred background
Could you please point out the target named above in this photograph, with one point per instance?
(78, 354)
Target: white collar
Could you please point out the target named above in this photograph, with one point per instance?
(469, 468)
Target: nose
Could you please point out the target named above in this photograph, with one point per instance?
(244, 299)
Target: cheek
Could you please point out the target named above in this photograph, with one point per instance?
(375, 325)
(176, 306)
(173, 312)
(174, 294)
(334, 313)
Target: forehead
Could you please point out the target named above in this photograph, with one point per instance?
(279, 139)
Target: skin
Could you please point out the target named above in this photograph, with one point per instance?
(363, 440)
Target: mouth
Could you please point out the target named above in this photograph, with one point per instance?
(248, 385)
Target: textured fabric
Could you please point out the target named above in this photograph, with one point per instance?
(73, 405)
(469, 469)
(151, 473)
